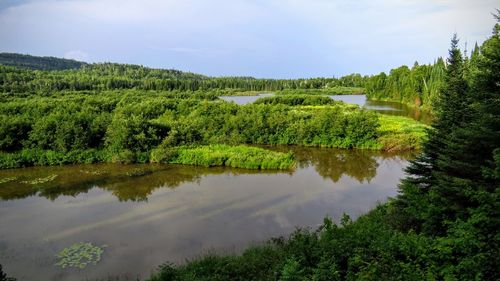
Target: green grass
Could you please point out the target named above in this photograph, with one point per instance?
(224, 155)
(399, 133)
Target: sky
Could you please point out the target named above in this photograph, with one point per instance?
(260, 38)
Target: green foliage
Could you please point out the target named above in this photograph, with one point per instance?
(401, 133)
(233, 156)
(111, 76)
(79, 255)
(419, 86)
(452, 192)
(128, 127)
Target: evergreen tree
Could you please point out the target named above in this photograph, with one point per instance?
(452, 190)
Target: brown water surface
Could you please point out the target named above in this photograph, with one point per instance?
(150, 214)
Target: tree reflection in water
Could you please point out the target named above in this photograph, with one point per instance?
(137, 182)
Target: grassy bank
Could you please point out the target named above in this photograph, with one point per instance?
(210, 155)
(224, 155)
(398, 133)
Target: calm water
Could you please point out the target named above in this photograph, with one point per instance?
(384, 107)
(241, 100)
(173, 213)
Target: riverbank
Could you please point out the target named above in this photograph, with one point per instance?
(336, 126)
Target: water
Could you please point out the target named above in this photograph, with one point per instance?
(150, 214)
(384, 107)
(241, 100)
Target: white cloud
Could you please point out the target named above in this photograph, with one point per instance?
(77, 55)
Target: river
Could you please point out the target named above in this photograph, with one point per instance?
(149, 214)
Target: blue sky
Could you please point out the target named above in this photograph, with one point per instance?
(273, 38)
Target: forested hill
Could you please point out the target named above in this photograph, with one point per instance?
(38, 63)
(25, 77)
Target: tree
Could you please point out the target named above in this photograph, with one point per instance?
(453, 188)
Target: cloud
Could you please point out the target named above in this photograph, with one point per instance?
(246, 37)
(77, 55)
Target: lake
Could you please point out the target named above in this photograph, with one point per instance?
(384, 107)
(149, 214)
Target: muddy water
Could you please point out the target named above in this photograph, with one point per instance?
(149, 214)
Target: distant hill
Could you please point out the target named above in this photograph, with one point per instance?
(38, 63)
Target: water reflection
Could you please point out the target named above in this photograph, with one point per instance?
(137, 182)
(386, 107)
(242, 100)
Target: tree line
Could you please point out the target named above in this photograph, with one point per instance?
(112, 76)
(420, 85)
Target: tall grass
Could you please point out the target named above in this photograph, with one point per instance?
(224, 155)
(398, 133)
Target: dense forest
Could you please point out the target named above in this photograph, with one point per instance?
(22, 74)
(38, 63)
(443, 225)
(419, 85)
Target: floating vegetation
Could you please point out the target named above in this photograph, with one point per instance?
(93, 172)
(138, 172)
(41, 180)
(79, 255)
(5, 180)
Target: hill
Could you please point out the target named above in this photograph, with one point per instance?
(38, 63)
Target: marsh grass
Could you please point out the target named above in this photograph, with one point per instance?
(400, 133)
(240, 156)
(41, 180)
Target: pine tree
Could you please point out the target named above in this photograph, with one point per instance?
(453, 188)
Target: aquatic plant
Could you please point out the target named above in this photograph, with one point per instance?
(79, 255)
(138, 172)
(94, 172)
(9, 179)
(41, 180)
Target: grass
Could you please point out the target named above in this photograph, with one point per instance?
(400, 133)
(224, 155)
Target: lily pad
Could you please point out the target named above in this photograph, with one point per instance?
(79, 255)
